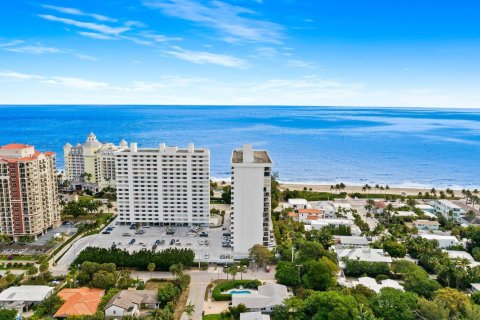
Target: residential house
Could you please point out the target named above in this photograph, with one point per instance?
(372, 284)
(448, 209)
(350, 242)
(254, 316)
(263, 300)
(443, 240)
(297, 204)
(129, 303)
(428, 225)
(362, 254)
(79, 302)
(23, 297)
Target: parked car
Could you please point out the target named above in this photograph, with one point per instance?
(157, 242)
(172, 242)
(132, 241)
(154, 247)
(162, 242)
(106, 232)
(203, 234)
(133, 226)
(126, 234)
(207, 256)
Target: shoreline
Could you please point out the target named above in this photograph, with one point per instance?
(413, 189)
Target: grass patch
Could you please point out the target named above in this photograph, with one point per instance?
(22, 258)
(212, 317)
(154, 284)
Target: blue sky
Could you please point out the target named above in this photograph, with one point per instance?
(284, 52)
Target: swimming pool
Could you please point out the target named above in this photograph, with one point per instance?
(240, 292)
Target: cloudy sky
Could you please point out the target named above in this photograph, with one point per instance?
(246, 52)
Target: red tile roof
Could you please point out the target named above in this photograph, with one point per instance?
(15, 146)
(79, 301)
(309, 211)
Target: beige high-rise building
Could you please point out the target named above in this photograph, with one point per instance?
(93, 158)
(28, 191)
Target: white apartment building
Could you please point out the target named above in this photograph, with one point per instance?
(28, 191)
(251, 199)
(448, 209)
(94, 158)
(163, 186)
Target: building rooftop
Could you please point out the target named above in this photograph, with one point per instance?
(254, 316)
(426, 222)
(351, 240)
(125, 299)
(363, 254)
(248, 155)
(297, 201)
(79, 301)
(14, 146)
(373, 285)
(25, 293)
(268, 295)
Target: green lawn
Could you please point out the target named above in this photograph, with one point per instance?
(211, 317)
(23, 258)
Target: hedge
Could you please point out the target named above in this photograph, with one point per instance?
(372, 269)
(222, 287)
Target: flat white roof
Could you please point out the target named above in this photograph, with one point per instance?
(331, 221)
(447, 203)
(297, 201)
(254, 316)
(406, 214)
(364, 254)
(373, 285)
(25, 293)
(438, 237)
(352, 240)
(452, 254)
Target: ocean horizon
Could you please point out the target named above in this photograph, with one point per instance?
(401, 147)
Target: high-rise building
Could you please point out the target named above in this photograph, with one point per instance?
(251, 199)
(92, 158)
(28, 191)
(163, 186)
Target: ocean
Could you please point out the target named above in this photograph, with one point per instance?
(402, 147)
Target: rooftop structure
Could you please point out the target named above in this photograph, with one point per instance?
(405, 214)
(254, 316)
(377, 287)
(443, 240)
(351, 241)
(297, 204)
(362, 254)
(268, 296)
(426, 224)
(448, 209)
(25, 294)
(129, 302)
(79, 302)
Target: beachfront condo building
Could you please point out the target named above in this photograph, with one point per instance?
(163, 185)
(448, 209)
(91, 161)
(28, 191)
(251, 199)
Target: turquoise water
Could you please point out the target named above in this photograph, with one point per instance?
(403, 147)
(240, 292)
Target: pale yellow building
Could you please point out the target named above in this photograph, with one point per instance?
(92, 158)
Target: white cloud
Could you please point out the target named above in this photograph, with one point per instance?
(235, 23)
(301, 64)
(203, 57)
(10, 43)
(34, 49)
(71, 82)
(102, 28)
(94, 35)
(77, 12)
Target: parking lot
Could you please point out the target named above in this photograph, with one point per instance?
(207, 249)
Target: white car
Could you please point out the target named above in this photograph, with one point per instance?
(207, 256)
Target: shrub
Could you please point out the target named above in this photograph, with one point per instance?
(372, 269)
(225, 286)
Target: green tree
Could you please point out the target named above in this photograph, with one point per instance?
(103, 280)
(455, 301)
(395, 249)
(51, 304)
(151, 268)
(319, 275)
(431, 310)
(393, 304)
(166, 293)
(286, 273)
(189, 310)
(329, 305)
(261, 254)
(6, 314)
(227, 194)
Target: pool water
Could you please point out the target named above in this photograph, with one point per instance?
(240, 292)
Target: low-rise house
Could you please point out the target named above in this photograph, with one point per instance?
(23, 297)
(426, 225)
(268, 296)
(425, 208)
(362, 254)
(254, 316)
(297, 204)
(340, 206)
(321, 223)
(469, 220)
(379, 207)
(372, 284)
(350, 242)
(448, 209)
(475, 287)
(457, 254)
(129, 303)
(306, 215)
(443, 240)
(79, 302)
(405, 214)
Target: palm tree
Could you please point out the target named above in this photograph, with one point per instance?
(151, 267)
(233, 271)
(189, 310)
(176, 270)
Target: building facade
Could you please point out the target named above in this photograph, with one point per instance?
(448, 209)
(93, 158)
(163, 186)
(28, 191)
(251, 199)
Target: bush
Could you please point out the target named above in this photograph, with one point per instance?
(137, 259)
(381, 277)
(222, 287)
(372, 269)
